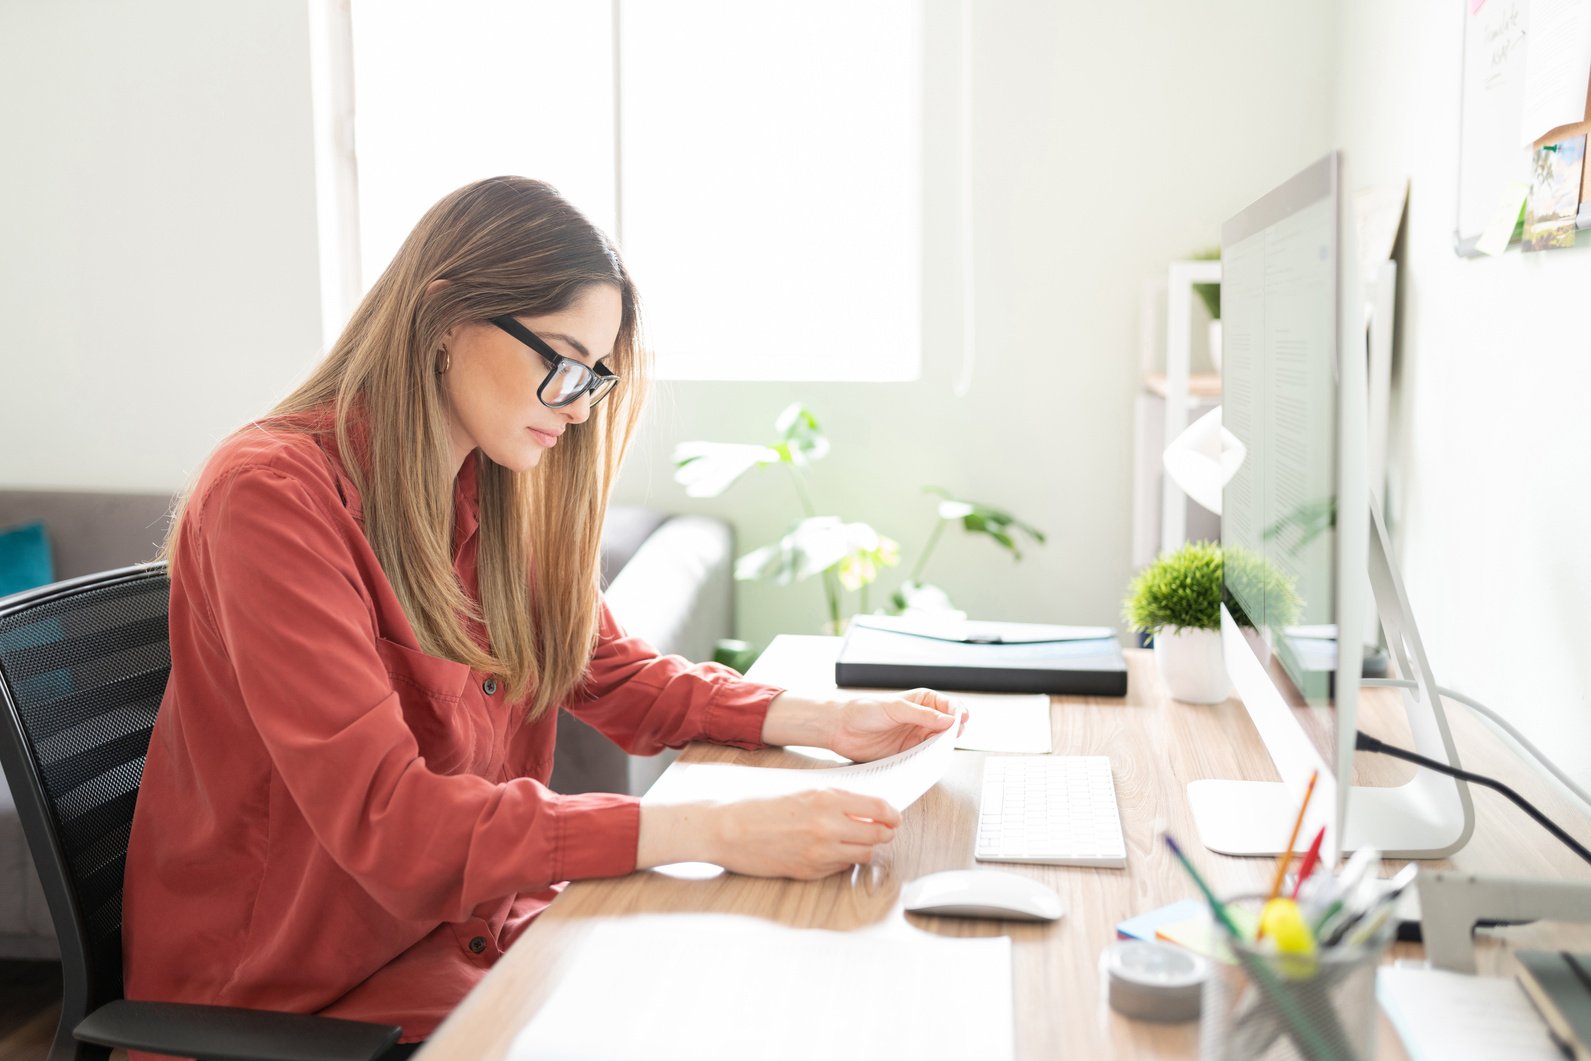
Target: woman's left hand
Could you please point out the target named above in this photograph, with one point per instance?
(874, 727)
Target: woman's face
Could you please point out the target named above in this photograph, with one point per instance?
(491, 380)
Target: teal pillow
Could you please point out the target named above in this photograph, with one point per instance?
(25, 560)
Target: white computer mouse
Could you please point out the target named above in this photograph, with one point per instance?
(990, 893)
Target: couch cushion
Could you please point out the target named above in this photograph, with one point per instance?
(626, 528)
(92, 531)
(24, 559)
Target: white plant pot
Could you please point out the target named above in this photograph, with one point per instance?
(1215, 345)
(1191, 665)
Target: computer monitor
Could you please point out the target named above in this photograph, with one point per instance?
(1303, 545)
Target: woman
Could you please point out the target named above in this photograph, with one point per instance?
(381, 595)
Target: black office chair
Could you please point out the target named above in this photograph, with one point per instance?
(83, 665)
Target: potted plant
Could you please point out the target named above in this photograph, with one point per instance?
(846, 557)
(1177, 601)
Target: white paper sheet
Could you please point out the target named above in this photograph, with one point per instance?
(1002, 722)
(1448, 1016)
(1557, 64)
(699, 987)
(899, 779)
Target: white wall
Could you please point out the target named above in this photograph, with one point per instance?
(159, 279)
(1490, 427)
(160, 272)
(1108, 140)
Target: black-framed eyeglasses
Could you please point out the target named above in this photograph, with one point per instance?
(567, 379)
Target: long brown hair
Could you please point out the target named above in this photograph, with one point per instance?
(506, 246)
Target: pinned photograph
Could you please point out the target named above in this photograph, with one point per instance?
(1554, 195)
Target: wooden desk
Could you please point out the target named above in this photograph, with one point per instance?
(1155, 746)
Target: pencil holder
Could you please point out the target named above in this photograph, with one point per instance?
(1271, 1006)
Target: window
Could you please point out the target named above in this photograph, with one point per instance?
(759, 164)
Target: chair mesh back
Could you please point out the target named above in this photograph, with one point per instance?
(84, 672)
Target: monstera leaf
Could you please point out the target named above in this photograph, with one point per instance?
(995, 523)
(817, 544)
(707, 469)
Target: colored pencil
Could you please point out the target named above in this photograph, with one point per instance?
(1311, 859)
(1287, 852)
(1309, 1037)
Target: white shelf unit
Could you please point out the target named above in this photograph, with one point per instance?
(1170, 397)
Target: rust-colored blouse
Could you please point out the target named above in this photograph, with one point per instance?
(332, 821)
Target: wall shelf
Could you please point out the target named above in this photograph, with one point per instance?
(1171, 397)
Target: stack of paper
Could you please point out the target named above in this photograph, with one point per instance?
(1447, 1016)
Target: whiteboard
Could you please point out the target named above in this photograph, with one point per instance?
(1492, 105)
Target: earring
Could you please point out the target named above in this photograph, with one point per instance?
(446, 362)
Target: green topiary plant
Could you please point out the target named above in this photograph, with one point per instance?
(1180, 589)
(1253, 578)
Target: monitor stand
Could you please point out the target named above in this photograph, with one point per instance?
(1430, 816)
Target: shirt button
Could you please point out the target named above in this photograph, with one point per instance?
(489, 686)
(477, 944)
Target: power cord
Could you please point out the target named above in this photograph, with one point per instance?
(1366, 743)
(1501, 723)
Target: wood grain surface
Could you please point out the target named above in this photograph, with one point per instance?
(1155, 746)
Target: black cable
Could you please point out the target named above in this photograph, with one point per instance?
(1366, 743)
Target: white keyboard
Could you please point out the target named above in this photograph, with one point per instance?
(1056, 809)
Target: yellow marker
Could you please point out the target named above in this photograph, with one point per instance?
(1286, 928)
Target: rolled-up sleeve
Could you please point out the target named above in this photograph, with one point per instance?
(290, 606)
(645, 702)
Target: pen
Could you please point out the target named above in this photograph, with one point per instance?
(1309, 1038)
(1311, 860)
(1287, 852)
(1376, 912)
(1353, 874)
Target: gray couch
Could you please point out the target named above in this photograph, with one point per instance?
(668, 581)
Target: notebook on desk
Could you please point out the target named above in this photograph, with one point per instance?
(898, 651)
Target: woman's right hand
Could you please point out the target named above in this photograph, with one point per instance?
(804, 836)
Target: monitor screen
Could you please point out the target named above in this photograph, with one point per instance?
(1291, 576)
(1279, 398)
(1296, 539)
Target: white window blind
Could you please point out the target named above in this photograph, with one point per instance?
(760, 164)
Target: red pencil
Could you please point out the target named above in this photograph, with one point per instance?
(1311, 857)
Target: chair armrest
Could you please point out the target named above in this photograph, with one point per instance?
(225, 1033)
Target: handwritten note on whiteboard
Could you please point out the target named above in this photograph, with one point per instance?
(1490, 154)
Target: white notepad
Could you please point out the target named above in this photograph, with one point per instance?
(700, 987)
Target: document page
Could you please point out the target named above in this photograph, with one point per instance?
(1557, 63)
(899, 779)
(699, 987)
(1002, 722)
